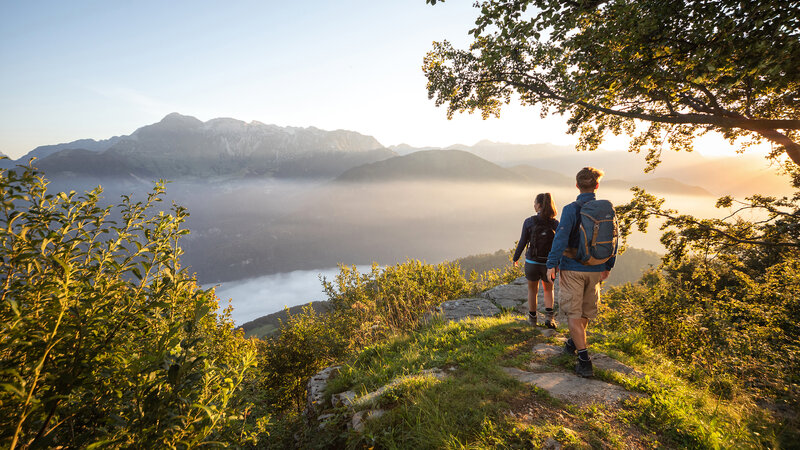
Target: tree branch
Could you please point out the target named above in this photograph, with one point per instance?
(767, 128)
(728, 236)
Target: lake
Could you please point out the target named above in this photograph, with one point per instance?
(255, 297)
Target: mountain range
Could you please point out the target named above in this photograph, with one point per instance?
(184, 147)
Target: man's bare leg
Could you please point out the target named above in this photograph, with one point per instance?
(549, 301)
(577, 330)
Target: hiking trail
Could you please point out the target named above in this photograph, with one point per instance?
(541, 372)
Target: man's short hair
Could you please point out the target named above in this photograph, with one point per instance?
(588, 177)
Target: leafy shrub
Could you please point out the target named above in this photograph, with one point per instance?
(363, 309)
(104, 339)
(726, 299)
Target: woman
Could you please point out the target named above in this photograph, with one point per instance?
(537, 234)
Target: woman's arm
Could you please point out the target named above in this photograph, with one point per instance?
(523, 240)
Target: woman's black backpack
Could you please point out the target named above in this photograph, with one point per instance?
(541, 239)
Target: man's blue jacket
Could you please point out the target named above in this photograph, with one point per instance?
(556, 257)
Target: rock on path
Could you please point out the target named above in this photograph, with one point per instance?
(605, 362)
(513, 296)
(455, 310)
(573, 389)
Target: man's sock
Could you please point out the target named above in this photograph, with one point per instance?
(583, 354)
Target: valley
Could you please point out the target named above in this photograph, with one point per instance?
(267, 201)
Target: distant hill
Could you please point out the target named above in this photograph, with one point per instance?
(513, 154)
(182, 146)
(269, 324)
(542, 176)
(82, 144)
(658, 185)
(629, 266)
(405, 149)
(738, 175)
(441, 165)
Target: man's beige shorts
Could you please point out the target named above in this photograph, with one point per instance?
(579, 293)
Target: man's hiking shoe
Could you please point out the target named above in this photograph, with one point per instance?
(583, 368)
(550, 323)
(532, 319)
(569, 347)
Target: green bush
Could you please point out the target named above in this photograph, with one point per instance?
(719, 321)
(363, 309)
(726, 299)
(104, 339)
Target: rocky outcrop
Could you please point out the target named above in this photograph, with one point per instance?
(359, 409)
(505, 297)
(315, 390)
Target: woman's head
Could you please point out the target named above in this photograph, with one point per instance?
(544, 205)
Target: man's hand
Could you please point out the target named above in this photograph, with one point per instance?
(516, 263)
(551, 274)
(604, 275)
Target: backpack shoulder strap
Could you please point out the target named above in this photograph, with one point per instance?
(573, 234)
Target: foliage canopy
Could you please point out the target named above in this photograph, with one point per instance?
(686, 68)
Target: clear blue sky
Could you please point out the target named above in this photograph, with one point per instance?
(95, 69)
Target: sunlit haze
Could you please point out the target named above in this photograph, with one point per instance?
(84, 69)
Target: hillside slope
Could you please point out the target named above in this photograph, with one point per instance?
(438, 165)
(412, 392)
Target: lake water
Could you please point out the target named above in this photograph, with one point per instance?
(256, 297)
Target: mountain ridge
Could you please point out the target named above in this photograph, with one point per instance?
(183, 146)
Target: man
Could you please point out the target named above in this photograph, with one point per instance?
(579, 284)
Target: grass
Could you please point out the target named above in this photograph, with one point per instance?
(476, 405)
(260, 332)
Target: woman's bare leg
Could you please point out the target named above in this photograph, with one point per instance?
(549, 302)
(533, 293)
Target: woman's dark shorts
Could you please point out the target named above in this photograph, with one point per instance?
(535, 272)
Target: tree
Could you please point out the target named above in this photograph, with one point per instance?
(104, 338)
(683, 67)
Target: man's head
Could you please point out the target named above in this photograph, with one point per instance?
(588, 179)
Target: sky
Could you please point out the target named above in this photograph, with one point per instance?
(96, 69)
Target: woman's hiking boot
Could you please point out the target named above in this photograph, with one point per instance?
(583, 368)
(569, 347)
(550, 322)
(532, 319)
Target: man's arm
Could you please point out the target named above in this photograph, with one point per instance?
(561, 240)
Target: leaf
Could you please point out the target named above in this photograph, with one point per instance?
(14, 389)
(99, 444)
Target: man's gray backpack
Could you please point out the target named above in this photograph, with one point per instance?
(597, 233)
